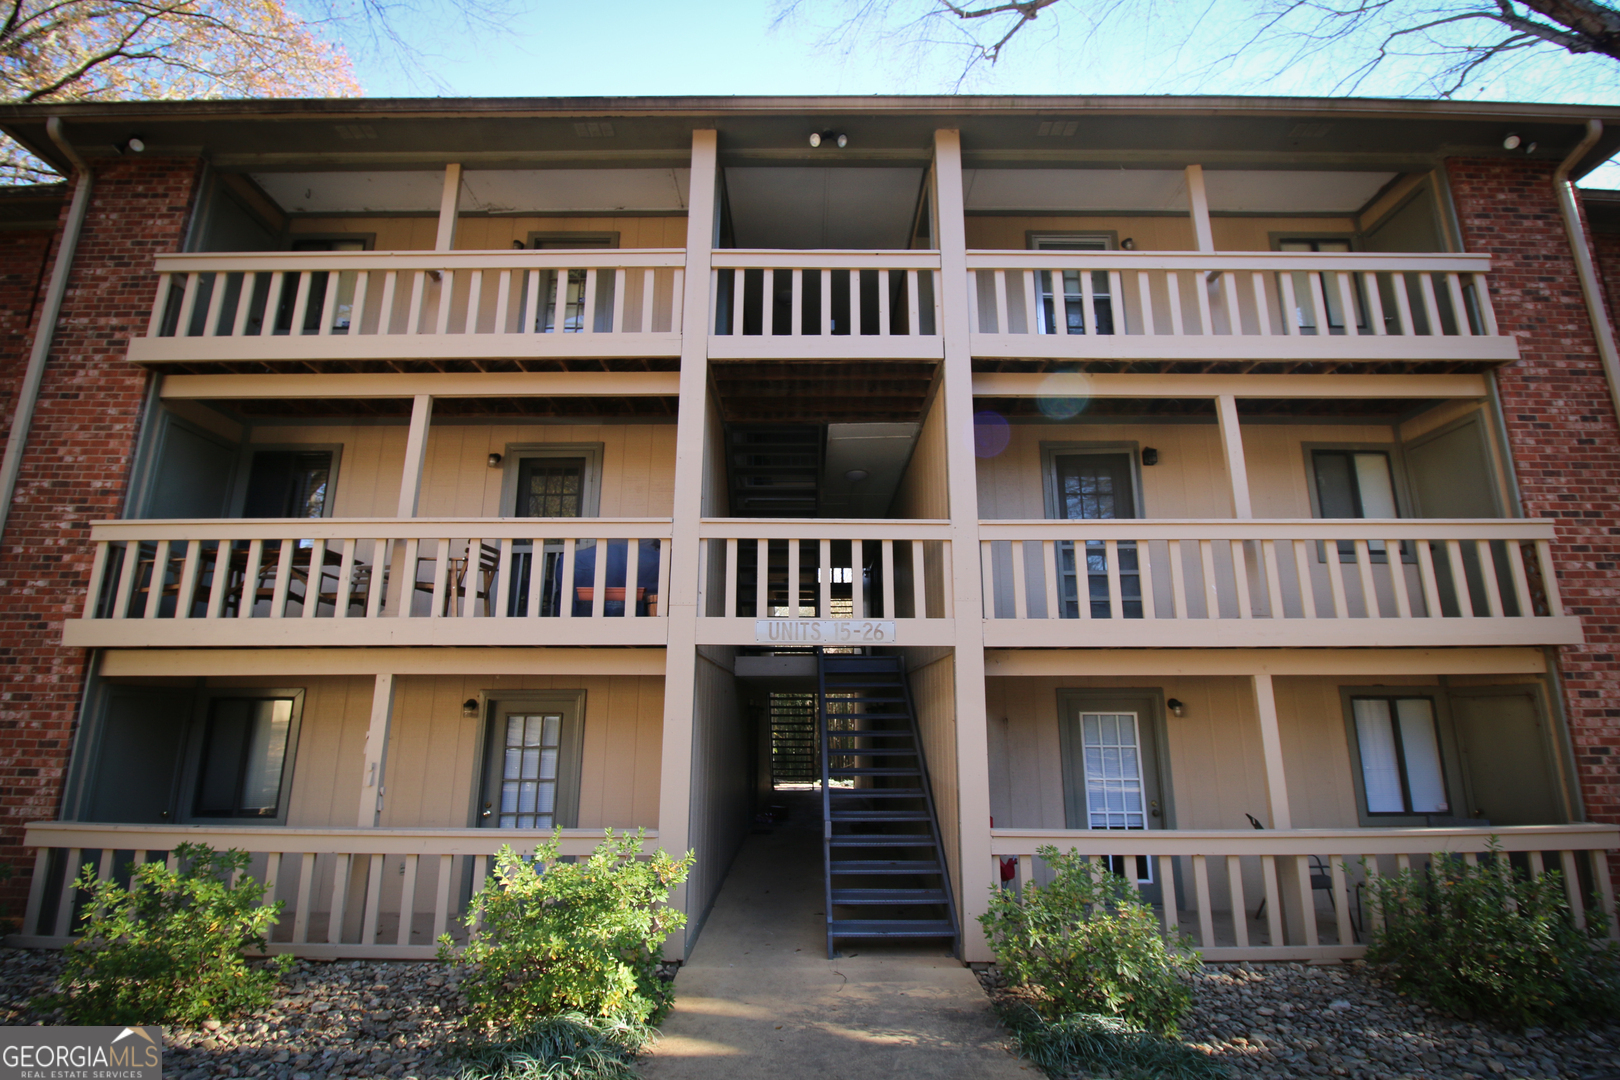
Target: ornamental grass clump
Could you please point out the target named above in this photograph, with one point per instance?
(1491, 942)
(549, 938)
(571, 1047)
(168, 949)
(1084, 1045)
(1085, 944)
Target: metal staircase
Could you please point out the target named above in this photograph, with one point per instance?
(885, 867)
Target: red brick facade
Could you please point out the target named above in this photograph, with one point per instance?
(75, 471)
(1564, 434)
(25, 258)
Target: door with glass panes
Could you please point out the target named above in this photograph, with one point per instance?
(1095, 486)
(548, 487)
(1064, 293)
(1109, 747)
(531, 762)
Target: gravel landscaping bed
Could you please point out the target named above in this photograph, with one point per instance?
(329, 1020)
(1287, 1020)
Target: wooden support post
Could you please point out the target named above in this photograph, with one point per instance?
(449, 207)
(972, 861)
(410, 483)
(1199, 204)
(1237, 468)
(375, 762)
(1265, 702)
(680, 586)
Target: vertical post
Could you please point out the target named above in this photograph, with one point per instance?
(1232, 447)
(1265, 703)
(410, 483)
(681, 587)
(375, 762)
(972, 739)
(1199, 203)
(449, 207)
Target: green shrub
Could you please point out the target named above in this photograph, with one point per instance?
(548, 938)
(1485, 941)
(1084, 1045)
(168, 949)
(571, 1047)
(1087, 944)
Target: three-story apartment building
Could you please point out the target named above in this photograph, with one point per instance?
(389, 480)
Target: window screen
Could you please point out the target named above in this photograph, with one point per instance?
(1354, 484)
(1400, 756)
(244, 758)
(1097, 487)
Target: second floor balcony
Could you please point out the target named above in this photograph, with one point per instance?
(1119, 306)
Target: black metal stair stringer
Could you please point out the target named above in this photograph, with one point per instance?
(884, 864)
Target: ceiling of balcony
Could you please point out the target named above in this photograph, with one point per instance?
(792, 207)
(492, 191)
(1150, 190)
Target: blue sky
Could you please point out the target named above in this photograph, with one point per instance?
(738, 47)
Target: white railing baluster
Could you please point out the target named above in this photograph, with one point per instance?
(300, 304)
(413, 315)
(447, 299)
(155, 582)
(357, 305)
(1431, 307)
(1003, 326)
(154, 323)
(475, 301)
(1291, 315)
(188, 304)
(188, 579)
(587, 313)
(385, 313)
(599, 584)
(885, 280)
(1375, 304)
(1172, 283)
(1459, 579)
(1459, 310)
(796, 302)
(913, 305)
(1262, 309)
(620, 279)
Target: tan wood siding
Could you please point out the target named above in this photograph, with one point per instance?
(1151, 233)
(638, 465)
(493, 233)
(933, 694)
(721, 784)
(924, 489)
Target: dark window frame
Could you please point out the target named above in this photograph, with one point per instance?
(196, 746)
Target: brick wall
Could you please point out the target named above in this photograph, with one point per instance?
(75, 471)
(24, 262)
(1606, 253)
(1564, 434)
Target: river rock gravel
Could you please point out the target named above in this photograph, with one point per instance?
(1298, 1020)
(328, 1021)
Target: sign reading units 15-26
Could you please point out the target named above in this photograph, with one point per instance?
(824, 632)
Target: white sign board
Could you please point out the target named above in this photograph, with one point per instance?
(823, 632)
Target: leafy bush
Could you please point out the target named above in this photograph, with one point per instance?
(1485, 941)
(168, 949)
(548, 938)
(1087, 944)
(1104, 1046)
(571, 1047)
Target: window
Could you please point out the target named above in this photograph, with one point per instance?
(342, 304)
(1354, 484)
(1108, 749)
(532, 778)
(1062, 301)
(245, 757)
(1095, 487)
(1399, 751)
(289, 484)
(572, 301)
(1313, 291)
(550, 487)
(1113, 762)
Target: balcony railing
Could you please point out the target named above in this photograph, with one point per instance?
(1271, 583)
(414, 305)
(826, 304)
(424, 581)
(1223, 877)
(1146, 305)
(344, 890)
(824, 569)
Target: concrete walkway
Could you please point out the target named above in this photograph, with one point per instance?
(759, 998)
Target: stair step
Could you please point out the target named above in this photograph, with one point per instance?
(890, 928)
(884, 866)
(885, 840)
(880, 815)
(888, 896)
(871, 751)
(877, 793)
(875, 771)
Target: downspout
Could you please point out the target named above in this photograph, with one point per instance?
(1590, 289)
(22, 417)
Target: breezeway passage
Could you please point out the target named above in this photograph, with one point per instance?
(758, 998)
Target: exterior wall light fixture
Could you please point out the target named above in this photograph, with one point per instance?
(494, 461)
(1127, 244)
(1150, 456)
(1177, 706)
(1511, 142)
(837, 138)
(855, 476)
(133, 145)
(469, 708)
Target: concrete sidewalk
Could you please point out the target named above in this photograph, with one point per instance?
(759, 998)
